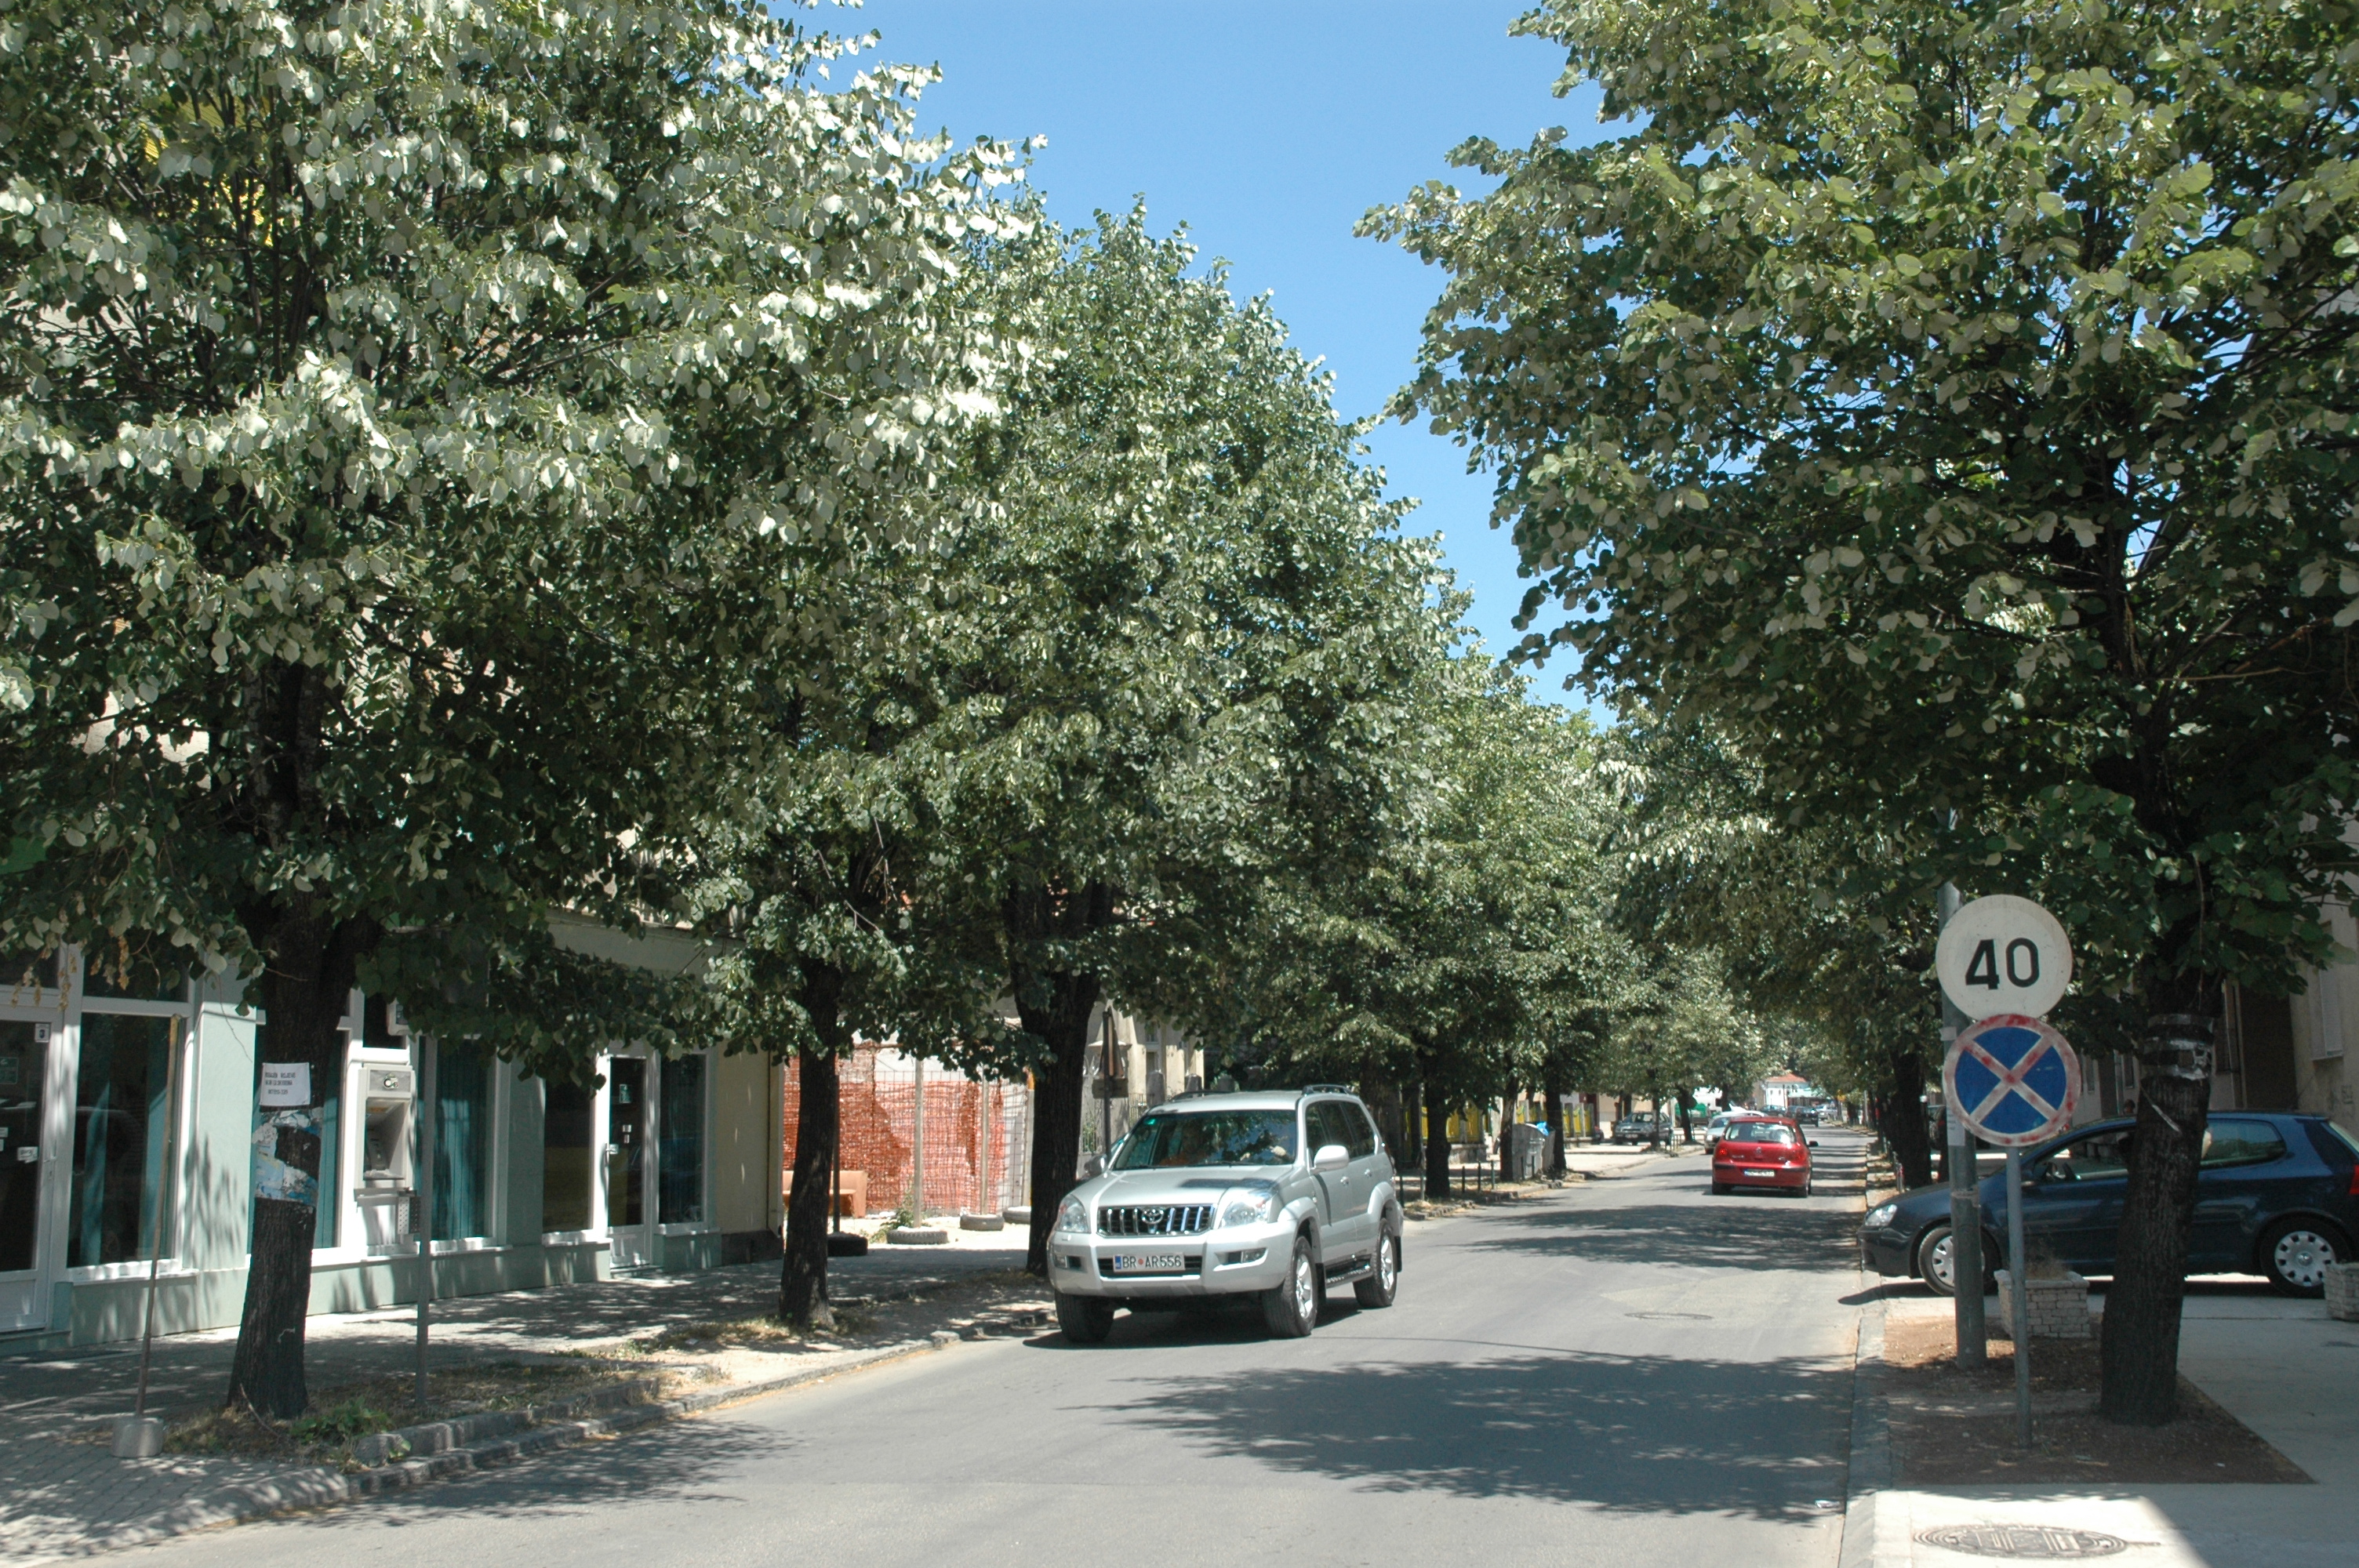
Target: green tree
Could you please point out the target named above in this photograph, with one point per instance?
(1172, 637)
(385, 390)
(1954, 404)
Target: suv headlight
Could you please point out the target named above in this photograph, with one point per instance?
(1249, 1208)
(1879, 1216)
(1073, 1217)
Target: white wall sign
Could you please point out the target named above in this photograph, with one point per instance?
(2004, 954)
(286, 1084)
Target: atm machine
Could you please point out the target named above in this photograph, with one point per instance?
(388, 1104)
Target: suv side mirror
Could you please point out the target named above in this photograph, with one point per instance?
(1330, 1157)
(1092, 1166)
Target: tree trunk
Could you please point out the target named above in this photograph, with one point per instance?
(2139, 1348)
(1552, 1091)
(305, 987)
(1063, 1022)
(1410, 1149)
(1384, 1099)
(802, 1278)
(1437, 1142)
(1903, 1117)
(1654, 1116)
(1687, 1122)
(1508, 1126)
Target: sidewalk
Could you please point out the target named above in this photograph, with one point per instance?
(66, 1495)
(2278, 1365)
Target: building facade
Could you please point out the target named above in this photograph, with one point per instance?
(127, 1117)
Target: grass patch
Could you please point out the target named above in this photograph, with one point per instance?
(340, 1415)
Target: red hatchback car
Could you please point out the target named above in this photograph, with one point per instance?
(1762, 1153)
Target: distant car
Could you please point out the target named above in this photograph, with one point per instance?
(2277, 1195)
(1756, 1151)
(1639, 1128)
(1717, 1126)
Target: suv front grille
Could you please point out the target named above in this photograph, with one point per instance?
(1142, 1219)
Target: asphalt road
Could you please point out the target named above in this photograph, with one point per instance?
(1630, 1372)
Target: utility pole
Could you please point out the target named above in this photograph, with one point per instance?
(1965, 1191)
(422, 1216)
(918, 1144)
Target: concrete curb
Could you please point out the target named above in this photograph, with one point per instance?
(239, 1505)
(1876, 1528)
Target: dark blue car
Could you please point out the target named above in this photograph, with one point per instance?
(2277, 1194)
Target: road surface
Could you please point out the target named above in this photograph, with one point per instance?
(1631, 1371)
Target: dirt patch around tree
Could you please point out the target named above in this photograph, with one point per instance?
(1952, 1428)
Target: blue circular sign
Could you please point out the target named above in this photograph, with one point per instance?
(2012, 1080)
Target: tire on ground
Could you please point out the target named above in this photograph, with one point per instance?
(1383, 1283)
(1084, 1320)
(2294, 1254)
(1287, 1312)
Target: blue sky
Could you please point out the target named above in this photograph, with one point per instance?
(1268, 129)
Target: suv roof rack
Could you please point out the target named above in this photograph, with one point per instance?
(1326, 1088)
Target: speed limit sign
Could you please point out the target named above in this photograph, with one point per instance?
(2004, 954)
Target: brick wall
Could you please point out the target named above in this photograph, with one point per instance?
(976, 1133)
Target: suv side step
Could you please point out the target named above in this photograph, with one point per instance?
(1352, 1268)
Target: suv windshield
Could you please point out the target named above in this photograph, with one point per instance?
(1208, 1137)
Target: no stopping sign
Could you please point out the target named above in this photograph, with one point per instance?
(2012, 1080)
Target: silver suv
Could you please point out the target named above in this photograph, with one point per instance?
(1273, 1196)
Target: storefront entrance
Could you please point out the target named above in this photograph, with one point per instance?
(26, 1201)
(627, 1166)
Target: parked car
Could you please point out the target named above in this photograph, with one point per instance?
(2277, 1195)
(1271, 1196)
(1757, 1152)
(1642, 1127)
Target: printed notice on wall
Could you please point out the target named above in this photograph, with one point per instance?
(286, 1084)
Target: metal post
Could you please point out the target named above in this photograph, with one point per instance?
(422, 1214)
(2018, 1297)
(164, 1216)
(1965, 1195)
(918, 1144)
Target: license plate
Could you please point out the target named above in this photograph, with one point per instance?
(1761, 1172)
(1146, 1262)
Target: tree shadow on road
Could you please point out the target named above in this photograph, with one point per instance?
(1732, 1233)
(1639, 1434)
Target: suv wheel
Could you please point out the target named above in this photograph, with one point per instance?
(1380, 1287)
(2296, 1254)
(1084, 1320)
(1292, 1309)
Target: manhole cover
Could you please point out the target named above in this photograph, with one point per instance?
(2023, 1540)
(1698, 1316)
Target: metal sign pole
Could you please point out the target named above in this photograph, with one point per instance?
(2018, 1297)
(423, 1216)
(1965, 1193)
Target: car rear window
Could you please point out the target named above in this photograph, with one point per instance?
(2234, 1141)
(1759, 1133)
(1208, 1137)
(2333, 1145)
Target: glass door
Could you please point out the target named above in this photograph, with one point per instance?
(627, 1164)
(25, 1048)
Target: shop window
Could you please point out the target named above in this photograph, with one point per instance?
(120, 1121)
(680, 1171)
(462, 1125)
(22, 974)
(129, 978)
(565, 1168)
